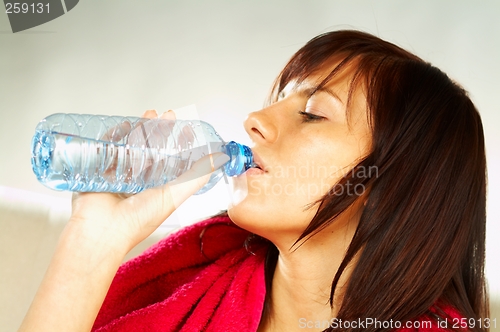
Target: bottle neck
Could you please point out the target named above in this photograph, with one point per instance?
(241, 158)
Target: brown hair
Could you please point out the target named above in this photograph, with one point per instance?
(421, 236)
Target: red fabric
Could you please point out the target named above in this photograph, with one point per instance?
(201, 278)
(178, 286)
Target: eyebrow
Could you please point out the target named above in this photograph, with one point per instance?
(312, 90)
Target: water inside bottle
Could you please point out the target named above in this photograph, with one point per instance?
(66, 162)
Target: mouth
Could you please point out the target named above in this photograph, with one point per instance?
(257, 163)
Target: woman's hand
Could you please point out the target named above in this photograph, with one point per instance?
(121, 221)
(103, 227)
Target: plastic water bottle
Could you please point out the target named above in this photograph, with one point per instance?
(100, 153)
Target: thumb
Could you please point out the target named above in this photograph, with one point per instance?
(197, 176)
(167, 198)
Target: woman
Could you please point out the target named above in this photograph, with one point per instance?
(366, 212)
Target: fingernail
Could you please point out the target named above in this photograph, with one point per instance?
(151, 113)
(220, 160)
(169, 115)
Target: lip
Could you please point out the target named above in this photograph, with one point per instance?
(258, 162)
(260, 169)
(254, 171)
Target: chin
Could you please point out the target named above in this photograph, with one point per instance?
(249, 219)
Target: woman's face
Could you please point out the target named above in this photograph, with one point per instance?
(304, 145)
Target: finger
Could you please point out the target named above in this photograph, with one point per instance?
(169, 124)
(117, 131)
(165, 199)
(168, 115)
(150, 114)
(193, 180)
(202, 167)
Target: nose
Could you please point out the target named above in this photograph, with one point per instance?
(262, 127)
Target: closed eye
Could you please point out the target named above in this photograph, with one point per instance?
(310, 117)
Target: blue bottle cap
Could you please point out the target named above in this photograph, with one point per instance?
(241, 158)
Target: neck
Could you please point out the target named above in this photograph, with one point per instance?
(302, 280)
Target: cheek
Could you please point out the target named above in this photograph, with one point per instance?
(307, 171)
(273, 207)
(286, 195)
(320, 167)
(271, 221)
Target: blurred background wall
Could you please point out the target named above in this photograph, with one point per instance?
(219, 59)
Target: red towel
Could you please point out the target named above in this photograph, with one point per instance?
(201, 278)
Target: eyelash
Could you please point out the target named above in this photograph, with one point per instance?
(309, 117)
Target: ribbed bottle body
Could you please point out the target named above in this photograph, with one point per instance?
(96, 153)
